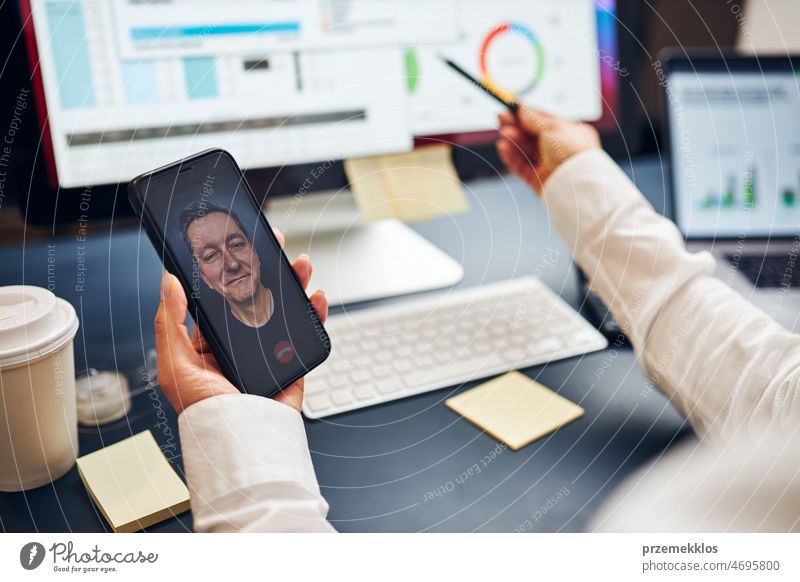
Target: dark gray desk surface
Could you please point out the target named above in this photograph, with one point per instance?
(379, 466)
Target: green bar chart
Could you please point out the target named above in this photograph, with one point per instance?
(750, 188)
(788, 198)
(739, 192)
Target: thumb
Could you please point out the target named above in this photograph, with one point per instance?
(173, 344)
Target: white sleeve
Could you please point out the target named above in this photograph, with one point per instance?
(745, 485)
(248, 467)
(725, 364)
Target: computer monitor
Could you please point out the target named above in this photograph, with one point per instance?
(125, 85)
(734, 134)
(289, 86)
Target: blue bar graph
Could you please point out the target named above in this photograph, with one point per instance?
(171, 32)
(70, 54)
(139, 82)
(201, 77)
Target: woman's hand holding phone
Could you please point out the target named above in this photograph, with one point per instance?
(187, 370)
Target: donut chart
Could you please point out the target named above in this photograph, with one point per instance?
(530, 82)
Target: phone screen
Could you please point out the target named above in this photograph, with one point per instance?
(235, 273)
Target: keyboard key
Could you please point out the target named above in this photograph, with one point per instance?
(545, 346)
(403, 351)
(317, 403)
(341, 397)
(389, 386)
(363, 392)
(388, 341)
(361, 361)
(360, 376)
(444, 356)
(411, 336)
(337, 382)
(339, 365)
(513, 355)
(445, 376)
(314, 386)
(401, 366)
(430, 332)
(346, 350)
(424, 361)
(369, 344)
(580, 339)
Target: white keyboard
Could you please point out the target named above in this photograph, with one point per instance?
(389, 352)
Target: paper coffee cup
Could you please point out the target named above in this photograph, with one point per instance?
(38, 419)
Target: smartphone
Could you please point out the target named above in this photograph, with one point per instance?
(206, 224)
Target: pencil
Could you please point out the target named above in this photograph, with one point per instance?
(510, 104)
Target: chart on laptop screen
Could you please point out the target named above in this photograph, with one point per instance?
(736, 147)
(132, 85)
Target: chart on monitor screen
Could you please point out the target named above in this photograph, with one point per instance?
(542, 53)
(132, 85)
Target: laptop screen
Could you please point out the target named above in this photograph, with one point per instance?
(735, 148)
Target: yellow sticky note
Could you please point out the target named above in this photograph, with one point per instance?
(514, 409)
(417, 185)
(133, 484)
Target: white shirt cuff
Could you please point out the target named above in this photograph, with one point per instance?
(234, 442)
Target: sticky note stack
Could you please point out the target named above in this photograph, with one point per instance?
(133, 484)
(418, 185)
(514, 409)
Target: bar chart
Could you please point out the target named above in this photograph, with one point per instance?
(740, 192)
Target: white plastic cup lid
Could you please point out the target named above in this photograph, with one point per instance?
(33, 323)
(102, 397)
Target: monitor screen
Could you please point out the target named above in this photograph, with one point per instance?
(735, 149)
(129, 85)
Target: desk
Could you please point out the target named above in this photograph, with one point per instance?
(399, 466)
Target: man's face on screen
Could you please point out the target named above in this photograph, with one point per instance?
(229, 264)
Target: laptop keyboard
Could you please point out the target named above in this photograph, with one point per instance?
(771, 270)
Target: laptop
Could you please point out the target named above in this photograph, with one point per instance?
(733, 130)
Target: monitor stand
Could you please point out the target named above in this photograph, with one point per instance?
(354, 261)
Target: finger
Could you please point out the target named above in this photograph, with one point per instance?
(534, 121)
(199, 342)
(526, 149)
(279, 235)
(521, 165)
(302, 266)
(197, 339)
(518, 164)
(172, 338)
(507, 118)
(203, 349)
(511, 156)
(507, 154)
(292, 396)
(320, 303)
(519, 138)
